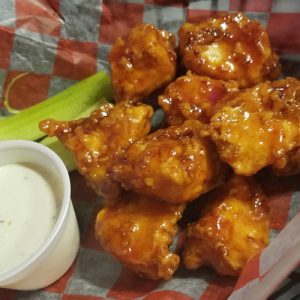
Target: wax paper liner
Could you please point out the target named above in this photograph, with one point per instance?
(54, 43)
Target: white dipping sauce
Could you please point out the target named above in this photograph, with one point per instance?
(28, 212)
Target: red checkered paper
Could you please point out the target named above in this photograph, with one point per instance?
(50, 45)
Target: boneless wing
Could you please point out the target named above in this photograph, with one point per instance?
(192, 97)
(233, 227)
(174, 164)
(229, 47)
(138, 231)
(142, 62)
(95, 141)
(259, 127)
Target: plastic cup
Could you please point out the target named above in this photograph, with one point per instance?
(58, 251)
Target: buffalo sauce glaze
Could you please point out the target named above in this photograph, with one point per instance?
(192, 97)
(229, 47)
(259, 126)
(138, 230)
(142, 62)
(233, 226)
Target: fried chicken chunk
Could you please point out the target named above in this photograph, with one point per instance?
(291, 164)
(142, 62)
(229, 47)
(174, 164)
(233, 227)
(259, 126)
(138, 231)
(192, 97)
(96, 140)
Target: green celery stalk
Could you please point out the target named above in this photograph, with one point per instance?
(65, 154)
(65, 105)
(55, 145)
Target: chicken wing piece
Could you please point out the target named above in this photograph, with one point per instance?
(192, 97)
(174, 164)
(288, 165)
(96, 140)
(233, 227)
(229, 47)
(259, 126)
(142, 62)
(138, 231)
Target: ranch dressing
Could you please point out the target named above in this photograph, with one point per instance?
(28, 212)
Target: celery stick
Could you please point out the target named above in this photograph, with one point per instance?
(64, 106)
(65, 154)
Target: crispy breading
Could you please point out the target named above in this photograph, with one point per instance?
(229, 47)
(192, 97)
(142, 62)
(95, 141)
(233, 227)
(174, 164)
(259, 126)
(138, 231)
